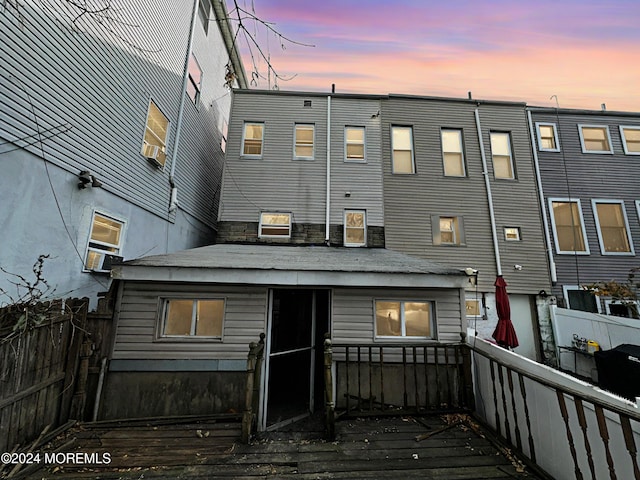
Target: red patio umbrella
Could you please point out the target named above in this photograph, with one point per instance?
(504, 334)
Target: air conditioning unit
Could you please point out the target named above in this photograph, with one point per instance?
(154, 154)
(101, 261)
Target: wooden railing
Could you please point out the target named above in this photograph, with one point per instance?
(564, 426)
(395, 379)
(252, 389)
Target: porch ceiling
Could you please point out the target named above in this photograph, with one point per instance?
(291, 265)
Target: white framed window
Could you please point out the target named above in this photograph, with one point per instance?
(204, 13)
(595, 139)
(404, 319)
(622, 309)
(630, 139)
(275, 225)
(194, 83)
(547, 137)
(252, 137)
(578, 298)
(452, 152)
(105, 243)
(501, 155)
(354, 144)
(568, 226)
(447, 230)
(193, 318)
(154, 145)
(613, 227)
(638, 208)
(402, 161)
(304, 136)
(512, 234)
(355, 228)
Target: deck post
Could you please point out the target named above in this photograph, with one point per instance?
(330, 406)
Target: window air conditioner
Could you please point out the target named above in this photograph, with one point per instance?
(154, 154)
(102, 261)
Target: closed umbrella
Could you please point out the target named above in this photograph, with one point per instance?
(504, 334)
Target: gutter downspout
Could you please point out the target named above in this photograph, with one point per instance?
(328, 212)
(173, 205)
(547, 237)
(485, 173)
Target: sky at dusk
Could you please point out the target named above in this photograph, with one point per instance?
(584, 52)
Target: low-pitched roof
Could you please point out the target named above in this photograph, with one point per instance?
(290, 265)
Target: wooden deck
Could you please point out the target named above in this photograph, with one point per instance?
(374, 448)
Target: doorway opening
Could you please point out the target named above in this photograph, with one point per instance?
(293, 387)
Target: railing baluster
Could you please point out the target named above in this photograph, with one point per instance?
(346, 361)
(446, 371)
(438, 389)
(404, 377)
(370, 378)
(572, 447)
(532, 450)
(359, 383)
(514, 410)
(630, 443)
(495, 397)
(504, 405)
(582, 420)
(604, 434)
(426, 377)
(382, 379)
(415, 378)
(459, 382)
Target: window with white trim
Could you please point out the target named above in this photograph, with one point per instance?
(204, 13)
(578, 298)
(402, 161)
(512, 234)
(568, 226)
(194, 83)
(274, 225)
(404, 318)
(304, 135)
(501, 155)
(105, 243)
(447, 230)
(154, 146)
(613, 227)
(630, 139)
(355, 228)
(547, 137)
(354, 141)
(452, 152)
(252, 137)
(196, 318)
(619, 308)
(595, 139)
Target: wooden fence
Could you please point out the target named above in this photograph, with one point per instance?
(44, 371)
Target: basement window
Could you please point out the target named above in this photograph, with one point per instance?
(274, 225)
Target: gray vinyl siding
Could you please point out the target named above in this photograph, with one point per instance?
(139, 317)
(275, 182)
(353, 315)
(570, 173)
(410, 201)
(278, 182)
(90, 91)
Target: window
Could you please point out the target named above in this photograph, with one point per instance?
(452, 155)
(447, 230)
(568, 226)
(195, 79)
(105, 243)
(501, 155)
(613, 227)
(354, 144)
(204, 10)
(512, 234)
(193, 318)
(403, 319)
(355, 228)
(223, 138)
(252, 139)
(547, 137)
(578, 298)
(304, 141)
(274, 225)
(154, 146)
(402, 146)
(628, 309)
(630, 140)
(595, 139)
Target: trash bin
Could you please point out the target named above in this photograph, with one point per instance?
(619, 370)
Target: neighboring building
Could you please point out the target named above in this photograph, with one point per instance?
(112, 129)
(590, 172)
(460, 190)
